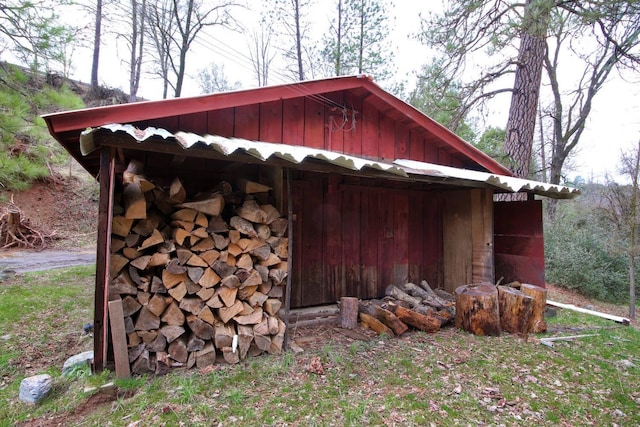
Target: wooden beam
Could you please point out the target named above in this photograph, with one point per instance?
(119, 339)
(617, 319)
(287, 293)
(101, 297)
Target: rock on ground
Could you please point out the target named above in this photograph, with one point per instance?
(34, 389)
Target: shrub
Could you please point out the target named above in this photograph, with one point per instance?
(582, 254)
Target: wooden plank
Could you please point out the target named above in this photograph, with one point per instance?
(444, 158)
(457, 240)
(482, 236)
(271, 123)
(353, 137)
(417, 223)
(351, 241)
(314, 129)
(430, 151)
(101, 296)
(432, 269)
(401, 238)
(221, 122)
(338, 122)
(246, 122)
(297, 190)
(332, 230)
(194, 122)
(416, 147)
(370, 130)
(293, 116)
(369, 233)
(402, 142)
(386, 149)
(617, 319)
(313, 244)
(119, 339)
(385, 232)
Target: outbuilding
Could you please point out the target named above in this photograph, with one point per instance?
(374, 191)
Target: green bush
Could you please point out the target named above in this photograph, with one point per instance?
(582, 253)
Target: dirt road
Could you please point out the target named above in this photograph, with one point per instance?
(25, 260)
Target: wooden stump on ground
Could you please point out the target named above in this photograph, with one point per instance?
(348, 312)
(539, 295)
(477, 309)
(515, 310)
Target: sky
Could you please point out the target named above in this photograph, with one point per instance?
(614, 124)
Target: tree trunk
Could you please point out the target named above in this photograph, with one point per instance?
(526, 89)
(96, 45)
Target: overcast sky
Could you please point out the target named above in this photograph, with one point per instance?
(614, 124)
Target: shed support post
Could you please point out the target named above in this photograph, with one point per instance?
(287, 292)
(101, 298)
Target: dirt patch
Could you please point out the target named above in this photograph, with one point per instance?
(65, 206)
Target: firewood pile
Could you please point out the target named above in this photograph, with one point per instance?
(198, 278)
(17, 231)
(408, 305)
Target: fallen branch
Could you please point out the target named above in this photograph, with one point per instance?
(549, 341)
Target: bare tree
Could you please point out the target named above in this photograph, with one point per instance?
(622, 209)
(161, 31)
(291, 17)
(261, 51)
(175, 26)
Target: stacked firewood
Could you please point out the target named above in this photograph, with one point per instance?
(198, 278)
(405, 306)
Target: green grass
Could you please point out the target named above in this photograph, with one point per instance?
(449, 378)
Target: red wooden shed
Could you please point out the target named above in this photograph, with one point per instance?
(380, 193)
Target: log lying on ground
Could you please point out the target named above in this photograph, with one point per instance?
(423, 322)
(477, 309)
(199, 282)
(375, 310)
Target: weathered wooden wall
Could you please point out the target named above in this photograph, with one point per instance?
(362, 129)
(519, 242)
(354, 237)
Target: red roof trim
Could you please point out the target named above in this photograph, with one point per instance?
(79, 120)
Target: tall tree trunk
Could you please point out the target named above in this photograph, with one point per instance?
(96, 45)
(339, 41)
(298, 40)
(526, 89)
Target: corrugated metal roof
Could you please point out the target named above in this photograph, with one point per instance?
(407, 169)
(505, 183)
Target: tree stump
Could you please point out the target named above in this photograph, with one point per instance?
(515, 310)
(477, 309)
(539, 295)
(348, 312)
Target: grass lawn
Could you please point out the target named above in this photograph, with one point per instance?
(449, 378)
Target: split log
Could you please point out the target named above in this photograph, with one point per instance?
(477, 309)
(399, 294)
(135, 205)
(385, 316)
(537, 323)
(430, 324)
(374, 324)
(515, 310)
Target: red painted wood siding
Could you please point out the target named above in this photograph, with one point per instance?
(336, 121)
(355, 237)
(519, 242)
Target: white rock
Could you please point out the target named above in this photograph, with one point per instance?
(34, 389)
